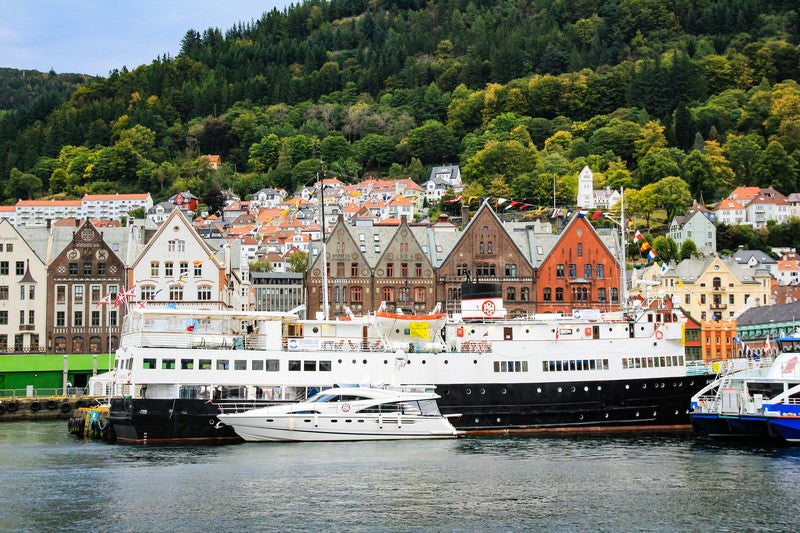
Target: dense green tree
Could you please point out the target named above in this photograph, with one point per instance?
(22, 185)
(688, 250)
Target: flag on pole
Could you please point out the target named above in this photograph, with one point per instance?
(513, 203)
(651, 255)
(500, 201)
(106, 300)
(664, 268)
(555, 213)
(596, 215)
(637, 236)
(644, 247)
(580, 214)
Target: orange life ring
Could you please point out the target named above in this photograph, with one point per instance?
(588, 332)
(659, 334)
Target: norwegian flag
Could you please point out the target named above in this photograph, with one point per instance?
(106, 300)
(122, 297)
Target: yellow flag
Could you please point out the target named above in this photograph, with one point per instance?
(419, 329)
(284, 213)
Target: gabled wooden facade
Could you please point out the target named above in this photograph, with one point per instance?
(579, 272)
(78, 278)
(487, 253)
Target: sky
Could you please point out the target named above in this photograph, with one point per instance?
(97, 36)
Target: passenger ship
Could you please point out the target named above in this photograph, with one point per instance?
(177, 368)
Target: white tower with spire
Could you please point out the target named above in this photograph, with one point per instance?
(586, 189)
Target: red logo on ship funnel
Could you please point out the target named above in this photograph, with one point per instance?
(488, 308)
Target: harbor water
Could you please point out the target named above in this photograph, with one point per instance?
(50, 481)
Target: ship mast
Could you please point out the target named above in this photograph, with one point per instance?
(623, 297)
(324, 248)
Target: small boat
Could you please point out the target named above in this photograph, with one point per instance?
(346, 414)
(759, 401)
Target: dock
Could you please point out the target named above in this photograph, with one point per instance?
(45, 407)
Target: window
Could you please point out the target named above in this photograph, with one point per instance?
(339, 270)
(101, 269)
(353, 270)
(559, 294)
(356, 294)
(204, 293)
(702, 298)
(614, 295)
(481, 249)
(198, 269)
(3, 292)
(546, 294)
(77, 344)
(525, 294)
(389, 270)
(687, 299)
(404, 270)
(176, 245)
(4, 318)
(601, 294)
(73, 269)
(146, 292)
(511, 270)
(87, 269)
(419, 294)
(418, 270)
(61, 294)
(184, 265)
(32, 292)
(168, 364)
(77, 294)
(489, 248)
(20, 268)
(21, 317)
(4, 268)
(154, 268)
(112, 319)
(176, 293)
(77, 319)
(168, 269)
(95, 293)
(580, 249)
(60, 344)
(511, 294)
(587, 271)
(599, 271)
(22, 292)
(573, 271)
(403, 293)
(60, 319)
(388, 294)
(731, 299)
(560, 271)
(95, 318)
(187, 364)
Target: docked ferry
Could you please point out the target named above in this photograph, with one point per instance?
(178, 368)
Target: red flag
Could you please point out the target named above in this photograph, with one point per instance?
(596, 214)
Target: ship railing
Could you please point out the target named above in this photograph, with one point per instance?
(708, 404)
(294, 344)
(242, 405)
(180, 339)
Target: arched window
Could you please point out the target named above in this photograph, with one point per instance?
(94, 344)
(77, 344)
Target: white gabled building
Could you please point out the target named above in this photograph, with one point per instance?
(23, 294)
(441, 180)
(177, 266)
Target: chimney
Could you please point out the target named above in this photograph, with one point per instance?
(464, 215)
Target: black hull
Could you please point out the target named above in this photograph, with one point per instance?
(647, 405)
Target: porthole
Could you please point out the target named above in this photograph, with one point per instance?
(606, 415)
(498, 419)
(586, 389)
(468, 391)
(627, 386)
(503, 390)
(637, 414)
(423, 361)
(573, 389)
(663, 385)
(483, 392)
(474, 361)
(580, 417)
(559, 389)
(354, 361)
(538, 390)
(340, 361)
(445, 361)
(477, 420)
(676, 412)
(599, 387)
(655, 414)
(315, 329)
(644, 385)
(681, 384)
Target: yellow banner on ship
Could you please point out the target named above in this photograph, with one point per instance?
(419, 329)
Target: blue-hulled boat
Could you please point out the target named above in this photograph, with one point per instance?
(761, 400)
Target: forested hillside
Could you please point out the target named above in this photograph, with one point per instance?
(672, 100)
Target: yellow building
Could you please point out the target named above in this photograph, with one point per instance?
(709, 289)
